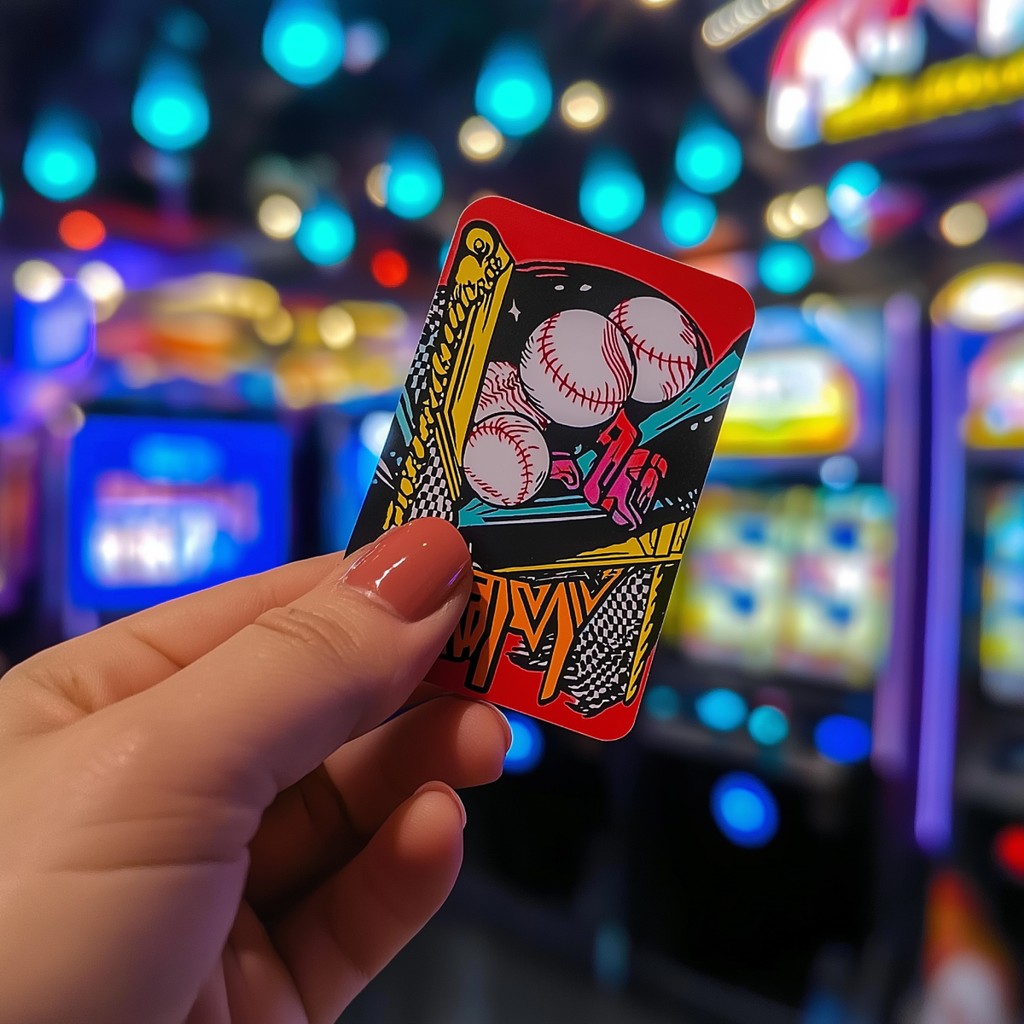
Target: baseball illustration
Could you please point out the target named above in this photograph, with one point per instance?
(578, 368)
(664, 343)
(506, 459)
(502, 391)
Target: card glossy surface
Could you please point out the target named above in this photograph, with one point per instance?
(562, 409)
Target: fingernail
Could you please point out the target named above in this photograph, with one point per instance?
(440, 787)
(508, 728)
(413, 569)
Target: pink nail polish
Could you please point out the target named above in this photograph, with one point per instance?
(413, 568)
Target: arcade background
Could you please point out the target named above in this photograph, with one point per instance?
(220, 227)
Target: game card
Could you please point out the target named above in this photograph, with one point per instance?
(561, 410)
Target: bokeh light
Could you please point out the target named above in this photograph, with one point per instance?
(326, 234)
(170, 110)
(479, 140)
(81, 230)
(337, 327)
(721, 709)
(611, 192)
(583, 105)
(964, 223)
(414, 185)
(843, 739)
(275, 329)
(708, 158)
(745, 810)
(514, 91)
(59, 161)
(303, 40)
(663, 702)
(768, 725)
(1008, 850)
(785, 267)
(850, 189)
(279, 216)
(687, 218)
(527, 746)
(104, 286)
(389, 268)
(37, 280)
(365, 43)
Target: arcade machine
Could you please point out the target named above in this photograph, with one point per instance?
(157, 507)
(970, 809)
(781, 703)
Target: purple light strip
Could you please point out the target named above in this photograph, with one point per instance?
(933, 818)
(901, 479)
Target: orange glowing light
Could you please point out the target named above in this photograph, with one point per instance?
(81, 230)
(389, 268)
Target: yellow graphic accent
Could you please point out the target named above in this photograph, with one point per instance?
(646, 639)
(456, 368)
(663, 545)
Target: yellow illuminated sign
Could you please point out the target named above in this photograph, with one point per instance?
(943, 90)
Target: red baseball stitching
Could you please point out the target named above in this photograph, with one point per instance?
(685, 365)
(587, 399)
(506, 430)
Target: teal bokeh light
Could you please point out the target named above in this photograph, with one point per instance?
(59, 161)
(611, 192)
(326, 235)
(170, 110)
(785, 267)
(304, 41)
(708, 158)
(687, 218)
(514, 91)
(414, 182)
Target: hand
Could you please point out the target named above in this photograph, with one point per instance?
(202, 819)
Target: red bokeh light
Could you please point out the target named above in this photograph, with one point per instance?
(81, 230)
(1008, 848)
(389, 268)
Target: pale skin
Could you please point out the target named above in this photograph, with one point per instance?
(204, 820)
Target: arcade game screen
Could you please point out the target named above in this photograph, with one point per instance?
(158, 507)
(792, 581)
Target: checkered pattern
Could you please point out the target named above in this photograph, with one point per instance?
(419, 372)
(597, 671)
(432, 496)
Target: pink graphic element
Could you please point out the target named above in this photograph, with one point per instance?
(624, 480)
(578, 368)
(506, 460)
(564, 469)
(502, 391)
(664, 342)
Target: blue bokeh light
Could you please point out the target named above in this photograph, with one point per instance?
(785, 267)
(527, 746)
(611, 192)
(514, 91)
(663, 702)
(744, 810)
(326, 234)
(720, 709)
(708, 158)
(59, 161)
(768, 725)
(414, 183)
(304, 41)
(849, 191)
(170, 110)
(687, 218)
(843, 739)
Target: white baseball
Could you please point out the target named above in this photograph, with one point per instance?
(578, 368)
(502, 391)
(506, 459)
(664, 342)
